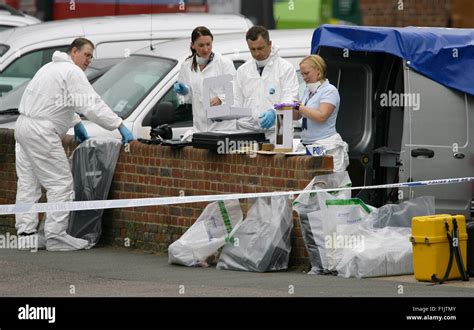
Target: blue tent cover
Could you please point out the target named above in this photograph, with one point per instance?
(442, 54)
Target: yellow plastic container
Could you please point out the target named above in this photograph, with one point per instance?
(431, 246)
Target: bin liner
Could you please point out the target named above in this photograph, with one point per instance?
(263, 241)
(337, 213)
(93, 167)
(400, 215)
(214, 227)
(310, 203)
(385, 252)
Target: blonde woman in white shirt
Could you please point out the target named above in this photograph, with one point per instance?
(319, 107)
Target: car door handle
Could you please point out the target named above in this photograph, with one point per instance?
(425, 153)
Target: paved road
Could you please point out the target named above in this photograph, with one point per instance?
(120, 272)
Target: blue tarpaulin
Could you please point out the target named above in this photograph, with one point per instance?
(444, 55)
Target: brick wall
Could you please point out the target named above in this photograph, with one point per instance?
(7, 177)
(156, 171)
(405, 12)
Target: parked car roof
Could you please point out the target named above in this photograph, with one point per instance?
(117, 27)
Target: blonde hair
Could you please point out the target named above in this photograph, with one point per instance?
(317, 62)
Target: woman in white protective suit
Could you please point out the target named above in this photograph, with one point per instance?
(318, 108)
(47, 111)
(203, 63)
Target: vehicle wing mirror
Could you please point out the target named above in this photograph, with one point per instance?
(5, 89)
(164, 113)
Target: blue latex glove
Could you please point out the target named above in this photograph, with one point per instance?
(180, 88)
(127, 136)
(80, 133)
(267, 119)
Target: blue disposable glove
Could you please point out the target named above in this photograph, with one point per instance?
(181, 88)
(127, 136)
(80, 133)
(267, 119)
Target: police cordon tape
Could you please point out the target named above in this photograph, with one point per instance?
(140, 202)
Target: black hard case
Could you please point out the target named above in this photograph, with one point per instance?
(470, 247)
(212, 140)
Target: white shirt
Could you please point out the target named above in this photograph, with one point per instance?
(326, 93)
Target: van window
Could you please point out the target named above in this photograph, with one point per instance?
(125, 85)
(4, 27)
(25, 67)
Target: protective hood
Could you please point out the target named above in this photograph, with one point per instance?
(443, 55)
(61, 57)
(269, 59)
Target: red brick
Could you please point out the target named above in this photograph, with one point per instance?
(129, 168)
(176, 173)
(278, 183)
(174, 221)
(266, 182)
(226, 168)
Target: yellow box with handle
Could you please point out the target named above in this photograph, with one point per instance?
(431, 246)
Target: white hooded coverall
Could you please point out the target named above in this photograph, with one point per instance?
(47, 111)
(278, 83)
(218, 66)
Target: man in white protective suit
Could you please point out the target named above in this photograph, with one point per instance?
(263, 81)
(47, 111)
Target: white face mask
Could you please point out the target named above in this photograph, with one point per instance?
(262, 63)
(313, 87)
(201, 60)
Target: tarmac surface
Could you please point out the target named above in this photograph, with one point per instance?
(120, 272)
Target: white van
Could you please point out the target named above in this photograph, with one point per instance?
(24, 50)
(11, 18)
(407, 109)
(142, 84)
